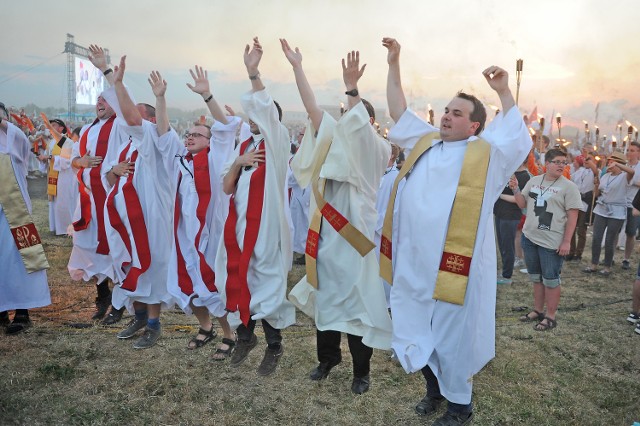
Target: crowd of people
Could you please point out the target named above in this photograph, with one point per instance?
(397, 235)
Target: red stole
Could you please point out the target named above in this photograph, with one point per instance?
(99, 193)
(136, 222)
(237, 288)
(202, 182)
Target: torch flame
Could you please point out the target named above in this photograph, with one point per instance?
(627, 121)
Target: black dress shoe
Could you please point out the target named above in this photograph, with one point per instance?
(360, 385)
(322, 370)
(18, 325)
(114, 316)
(428, 405)
(102, 306)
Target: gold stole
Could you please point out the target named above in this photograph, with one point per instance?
(52, 182)
(23, 230)
(350, 233)
(453, 273)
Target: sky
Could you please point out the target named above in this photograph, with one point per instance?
(580, 57)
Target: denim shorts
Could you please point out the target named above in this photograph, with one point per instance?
(544, 265)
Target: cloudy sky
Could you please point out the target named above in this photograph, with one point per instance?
(577, 54)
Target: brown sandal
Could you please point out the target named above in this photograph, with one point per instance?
(196, 343)
(541, 326)
(222, 354)
(528, 318)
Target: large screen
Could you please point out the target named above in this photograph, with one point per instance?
(89, 82)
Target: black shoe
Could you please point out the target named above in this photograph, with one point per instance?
(270, 360)
(115, 315)
(360, 385)
(428, 405)
(18, 325)
(4, 318)
(243, 347)
(569, 257)
(450, 419)
(102, 305)
(322, 370)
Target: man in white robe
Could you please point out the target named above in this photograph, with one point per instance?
(201, 208)
(448, 342)
(255, 288)
(62, 205)
(139, 217)
(349, 297)
(19, 289)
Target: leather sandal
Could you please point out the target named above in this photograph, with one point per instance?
(196, 343)
(528, 318)
(222, 354)
(541, 326)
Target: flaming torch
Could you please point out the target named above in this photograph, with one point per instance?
(539, 135)
(586, 132)
(431, 119)
(595, 143)
(341, 109)
(559, 123)
(518, 78)
(629, 135)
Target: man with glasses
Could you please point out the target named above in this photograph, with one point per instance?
(552, 202)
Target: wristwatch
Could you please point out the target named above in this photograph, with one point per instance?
(353, 92)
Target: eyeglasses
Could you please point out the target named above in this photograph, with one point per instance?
(559, 163)
(194, 135)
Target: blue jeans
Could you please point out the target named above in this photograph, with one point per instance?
(544, 265)
(506, 236)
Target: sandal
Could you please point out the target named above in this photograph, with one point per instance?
(528, 318)
(196, 343)
(541, 326)
(222, 354)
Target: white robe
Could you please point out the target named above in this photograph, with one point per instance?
(63, 205)
(350, 297)
(156, 192)
(382, 200)
(18, 289)
(221, 147)
(271, 257)
(84, 262)
(299, 206)
(455, 341)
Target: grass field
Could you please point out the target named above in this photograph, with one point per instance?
(66, 370)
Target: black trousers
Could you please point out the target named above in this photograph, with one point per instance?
(433, 390)
(272, 335)
(328, 347)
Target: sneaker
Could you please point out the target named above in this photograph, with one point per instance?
(428, 405)
(243, 347)
(524, 271)
(132, 328)
(450, 419)
(626, 265)
(633, 318)
(505, 281)
(270, 360)
(114, 316)
(102, 306)
(148, 339)
(519, 263)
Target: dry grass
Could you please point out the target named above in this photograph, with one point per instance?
(585, 372)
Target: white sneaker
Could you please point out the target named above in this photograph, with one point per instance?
(524, 271)
(519, 263)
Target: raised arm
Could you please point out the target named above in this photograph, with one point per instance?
(129, 111)
(159, 88)
(395, 95)
(306, 94)
(351, 73)
(252, 57)
(498, 80)
(99, 60)
(201, 87)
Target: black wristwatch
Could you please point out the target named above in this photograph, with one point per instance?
(353, 92)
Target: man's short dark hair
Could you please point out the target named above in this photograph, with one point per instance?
(4, 109)
(636, 144)
(478, 114)
(150, 110)
(369, 107)
(279, 110)
(77, 130)
(553, 153)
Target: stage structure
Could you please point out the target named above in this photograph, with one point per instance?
(84, 81)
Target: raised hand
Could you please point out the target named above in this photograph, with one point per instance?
(351, 71)
(118, 71)
(252, 56)
(200, 80)
(497, 78)
(98, 57)
(230, 110)
(393, 47)
(294, 57)
(158, 85)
